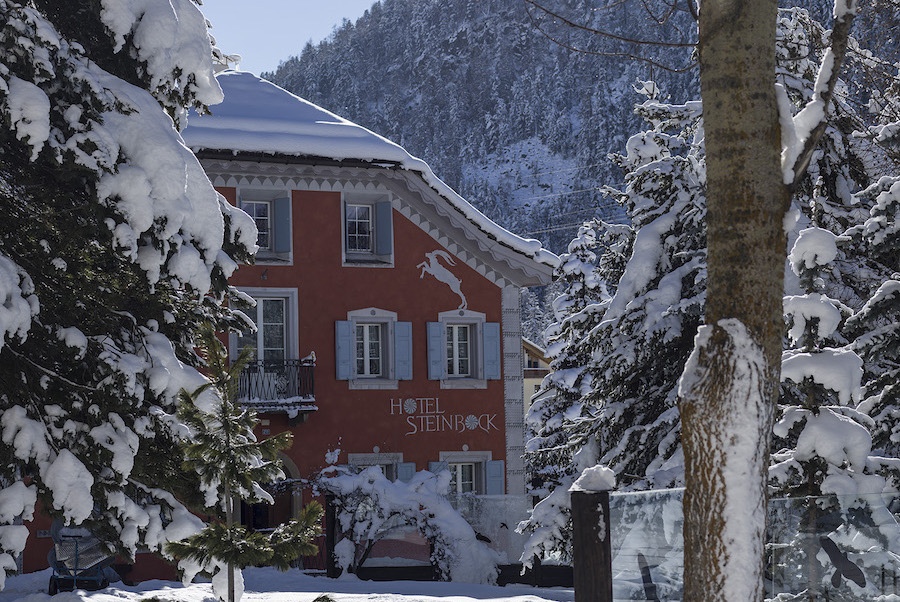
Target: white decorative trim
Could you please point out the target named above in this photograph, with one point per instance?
(373, 459)
(411, 195)
(372, 314)
(513, 390)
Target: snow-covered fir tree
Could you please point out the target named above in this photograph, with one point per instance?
(645, 332)
(619, 352)
(114, 247)
(233, 464)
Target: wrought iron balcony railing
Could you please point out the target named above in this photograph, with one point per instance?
(277, 380)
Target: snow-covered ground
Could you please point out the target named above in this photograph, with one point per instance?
(293, 586)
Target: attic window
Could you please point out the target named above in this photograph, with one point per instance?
(367, 230)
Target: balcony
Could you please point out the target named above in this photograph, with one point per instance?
(279, 386)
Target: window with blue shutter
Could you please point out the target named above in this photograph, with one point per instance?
(344, 346)
(494, 477)
(405, 471)
(437, 364)
(493, 357)
(384, 225)
(437, 467)
(403, 358)
(281, 225)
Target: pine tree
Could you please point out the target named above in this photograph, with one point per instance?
(114, 247)
(632, 360)
(626, 326)
(829, 355)
(232, 463)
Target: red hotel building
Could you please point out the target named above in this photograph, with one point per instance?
(407, 296)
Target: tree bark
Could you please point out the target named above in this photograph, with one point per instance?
(723, 418)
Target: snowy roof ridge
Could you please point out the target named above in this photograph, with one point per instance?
(259, 117)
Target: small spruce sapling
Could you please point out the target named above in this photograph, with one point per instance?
(231, 463)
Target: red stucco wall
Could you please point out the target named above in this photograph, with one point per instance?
(356, 421)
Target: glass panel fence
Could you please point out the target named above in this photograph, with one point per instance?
(832, 548)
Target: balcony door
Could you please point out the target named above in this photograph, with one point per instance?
(270, 339)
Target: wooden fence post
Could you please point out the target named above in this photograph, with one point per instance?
(591, 542)
(331, 568)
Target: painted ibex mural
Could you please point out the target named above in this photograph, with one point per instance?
(442, 274)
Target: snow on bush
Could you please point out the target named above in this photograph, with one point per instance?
(814, 247)
(18, 304)
(368, 504)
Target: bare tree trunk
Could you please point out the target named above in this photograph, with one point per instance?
(731, 385)
(229, 521)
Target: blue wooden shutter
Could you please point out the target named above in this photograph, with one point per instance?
(343, 346)
(405, 471)
(281, 225)
(384, 236)
(403, 350)
(492, 359)
(494, 477)
(437, 349)
(437, 467)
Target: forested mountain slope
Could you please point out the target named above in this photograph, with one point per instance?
(518, 124)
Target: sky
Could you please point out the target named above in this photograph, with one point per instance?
(266, 32)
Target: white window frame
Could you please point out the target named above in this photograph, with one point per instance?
(268, 195)
(387, 461)
(244, 204)
(366, 330)
(368, 258)
(456, 477)
(475, 320)
(291, 313)
(386, 319)
(454, 356)
(478, 458)
(370, 249)
(259, 335)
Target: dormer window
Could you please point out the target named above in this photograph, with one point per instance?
(270, 210)
(359, 228)
(367, 230)
(260, 211)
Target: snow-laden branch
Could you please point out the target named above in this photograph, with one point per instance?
(801, 133)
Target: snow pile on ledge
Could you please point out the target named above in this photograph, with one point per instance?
(259, 117)
(595, 478)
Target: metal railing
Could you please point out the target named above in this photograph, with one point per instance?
(277, 379)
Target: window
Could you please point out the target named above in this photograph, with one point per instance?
(368, 350)
(259, 211)
(359, 228)
(373, 350)
(464, 351)
(459, 350)
(270, 339)
(276, 338)
(367, 230)
(462, 477)
(270, 210)
(472, 472)
(391, 464)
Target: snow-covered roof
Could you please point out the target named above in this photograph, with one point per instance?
(259, 117)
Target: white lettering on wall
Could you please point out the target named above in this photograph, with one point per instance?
(424, 415)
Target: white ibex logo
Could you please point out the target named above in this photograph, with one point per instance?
(442, 274)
